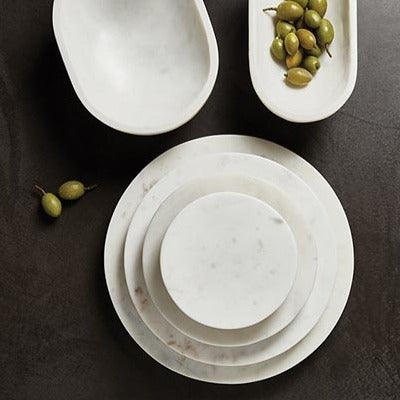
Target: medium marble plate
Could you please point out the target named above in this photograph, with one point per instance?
(314, 214)
(114, 257)
(140, 66)
(228, 260)
(305, 276)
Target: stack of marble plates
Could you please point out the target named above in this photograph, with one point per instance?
(229, 259)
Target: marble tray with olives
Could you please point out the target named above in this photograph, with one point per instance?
(303, 56)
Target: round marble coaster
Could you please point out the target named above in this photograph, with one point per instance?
(116, 279)
(228, 260)
(307, 259)
(313, 212)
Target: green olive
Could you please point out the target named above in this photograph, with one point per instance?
(50, 203)
(325, 35)
(284, 28)
(316, 51)
(307, 39)
(303, 3)
(312, 64)
(312, 19)
(320, 6)
(287, 11)
(278, 49)
(294, 60)
(291, 43)
(298, 77)
(73, 190)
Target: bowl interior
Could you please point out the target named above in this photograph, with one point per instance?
(138, 63)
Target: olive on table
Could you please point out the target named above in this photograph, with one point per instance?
(295, 60)
(312, 64)
(287, 11)
(298, 77)
(325, 35)
(320, 6)
(292, 43)
(73, 190)
(306, 38)
(312, 19)
(50, 203)
(284, 28)
(303, 3)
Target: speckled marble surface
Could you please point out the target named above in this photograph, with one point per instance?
(60, 336)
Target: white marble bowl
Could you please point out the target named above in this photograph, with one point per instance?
(320, 207)
(142, 67)
(330, 88)
(228, 260)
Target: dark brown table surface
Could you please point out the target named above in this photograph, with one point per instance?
(60, 337)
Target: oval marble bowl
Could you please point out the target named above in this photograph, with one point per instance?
(330, 88)
(142, 67)
(200, 159)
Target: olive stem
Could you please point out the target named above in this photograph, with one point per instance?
(285, 75)
(91, 187)
(270, 9)
(327, 50)
(40, 189)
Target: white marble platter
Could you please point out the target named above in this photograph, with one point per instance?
(115, 270)
(307, 258)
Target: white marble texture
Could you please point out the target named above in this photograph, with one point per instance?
(116, 280)
(314, 214)
(228, 260)
(307, 259)
(142, 67)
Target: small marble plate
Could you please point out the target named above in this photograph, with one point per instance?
(116, 280)
(314, 214)
(228, 260)
(307, 259)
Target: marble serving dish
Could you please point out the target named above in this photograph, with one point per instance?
(142, 66)
(330, 88)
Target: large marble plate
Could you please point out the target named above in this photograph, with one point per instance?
(307, 259)
(314, 214)
(114, 252)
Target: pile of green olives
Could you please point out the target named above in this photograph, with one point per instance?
(71, 190)
(303, 34)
